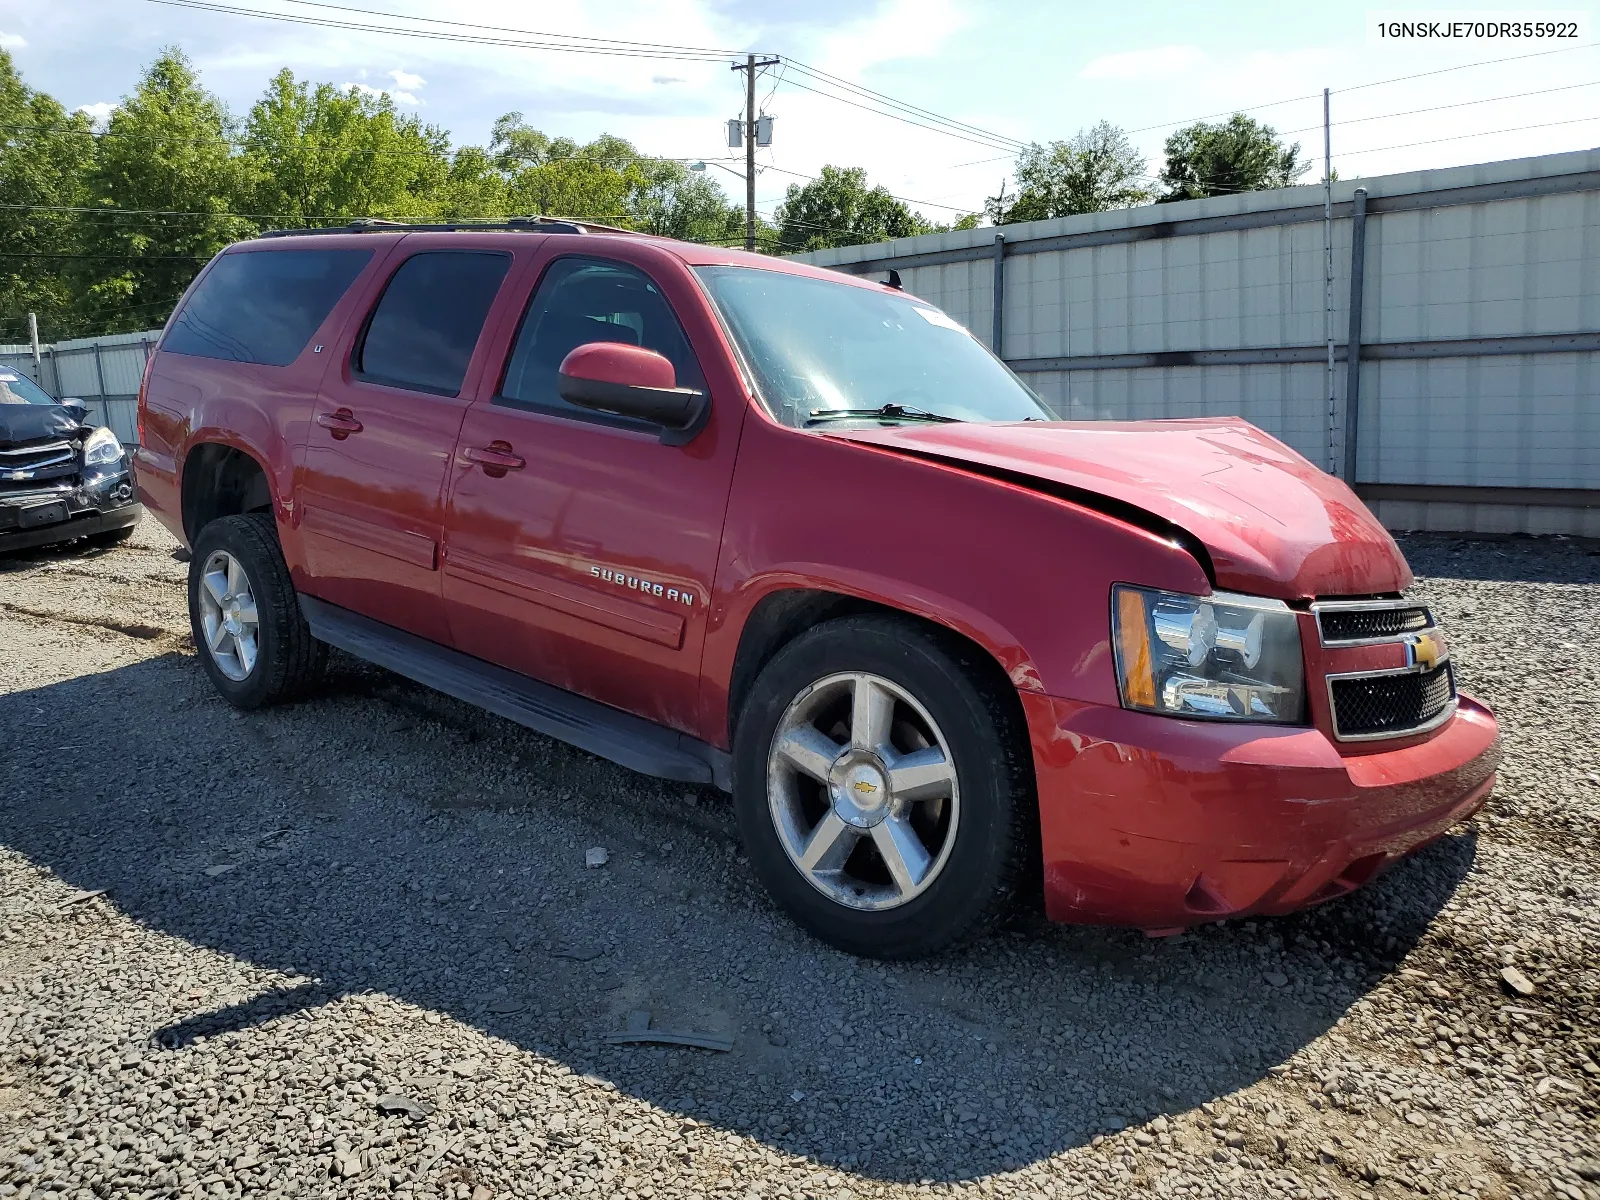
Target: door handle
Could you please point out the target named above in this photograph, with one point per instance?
(341, 423)
(496, 458)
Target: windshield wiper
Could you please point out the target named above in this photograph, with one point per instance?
(897, 411)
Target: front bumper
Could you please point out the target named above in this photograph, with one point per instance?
(98, 505)
(1160, 823)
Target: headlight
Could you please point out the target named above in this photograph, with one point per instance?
(1219, 656)
(102, 448)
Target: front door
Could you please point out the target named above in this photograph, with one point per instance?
(580, 549)
(370, 487)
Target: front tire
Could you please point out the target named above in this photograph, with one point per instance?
(251, 637)
(884, 787)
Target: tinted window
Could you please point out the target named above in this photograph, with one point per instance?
(583, 300)
(422, 333)
(262, 306)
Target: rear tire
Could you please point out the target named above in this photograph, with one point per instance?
(251, 637)
(902, 832)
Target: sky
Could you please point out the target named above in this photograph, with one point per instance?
(1023, 70)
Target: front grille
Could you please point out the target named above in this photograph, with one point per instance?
(1389, 705)
(1361, 624)
(28, 466)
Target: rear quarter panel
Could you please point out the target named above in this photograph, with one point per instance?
(1026, 576)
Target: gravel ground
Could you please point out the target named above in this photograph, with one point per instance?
(382, 893)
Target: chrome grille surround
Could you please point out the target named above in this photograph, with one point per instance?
(1354, 623)
(1369, 622)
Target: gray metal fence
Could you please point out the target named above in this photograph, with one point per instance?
(1475, 401)
(103, 372)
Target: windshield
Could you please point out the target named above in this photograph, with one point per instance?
(825, 352)
(16, 388)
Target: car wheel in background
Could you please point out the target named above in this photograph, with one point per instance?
(884, 787)
(248, 629)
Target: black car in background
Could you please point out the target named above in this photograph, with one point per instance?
(60, 477)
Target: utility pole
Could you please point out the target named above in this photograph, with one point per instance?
(749, 67)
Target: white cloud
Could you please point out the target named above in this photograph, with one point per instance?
(98, 113)
(664, 79)
(406, 81)
(12, 41)
(1156, 63)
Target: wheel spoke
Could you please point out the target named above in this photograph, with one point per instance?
(216, 584)
(829, 845)
(903, 852)
(924, 774)
(237, 582)
(871, 714)
(247, 612)
(245, 646)
(809, 751)
(216, 635)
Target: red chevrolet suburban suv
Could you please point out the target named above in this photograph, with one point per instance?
(740, 521)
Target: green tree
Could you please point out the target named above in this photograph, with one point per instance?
(671, 201)
(317, 153)
(166, 160)
(1097, 169)
(838, 209)
(44, 158)
(1237, 155)
(473, 188)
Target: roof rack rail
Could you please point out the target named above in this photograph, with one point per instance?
(530, 224)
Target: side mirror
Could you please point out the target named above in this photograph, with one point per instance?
(631, 381)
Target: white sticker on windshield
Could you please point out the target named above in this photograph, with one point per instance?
(8, 377)
(944, 320)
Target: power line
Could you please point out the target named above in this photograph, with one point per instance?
(571, 37)
(1441, 107)
(992, 142)
(617, 50)
(1463, 136)
(905, 106)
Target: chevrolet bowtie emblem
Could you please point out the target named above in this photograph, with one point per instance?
(1426, 649)
(864, 787)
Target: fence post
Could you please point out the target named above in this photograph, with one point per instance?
(1352, 384)
(996, 338)
(100, 379)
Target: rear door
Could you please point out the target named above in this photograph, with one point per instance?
(369, 488)
(580, 549)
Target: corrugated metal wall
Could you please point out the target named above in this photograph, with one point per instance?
(1217, 307)
(103, 372)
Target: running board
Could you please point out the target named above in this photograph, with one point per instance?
(625, 739)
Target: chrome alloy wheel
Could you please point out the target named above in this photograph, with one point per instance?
(228, 615)
(862, 791)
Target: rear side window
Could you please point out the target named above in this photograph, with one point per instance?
(583, 300)
(262, 306)
(423, 331)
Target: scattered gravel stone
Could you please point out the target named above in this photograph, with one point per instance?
(596, 856)
(1516, 981)
(406, 920)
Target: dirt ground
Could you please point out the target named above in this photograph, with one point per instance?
(351, 947)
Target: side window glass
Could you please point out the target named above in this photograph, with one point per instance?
(262, 306)
(582, 300)
(422, 333)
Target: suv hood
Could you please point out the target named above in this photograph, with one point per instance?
(1272, 523)
(20, 423)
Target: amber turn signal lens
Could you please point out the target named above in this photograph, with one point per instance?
(1133, 649)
